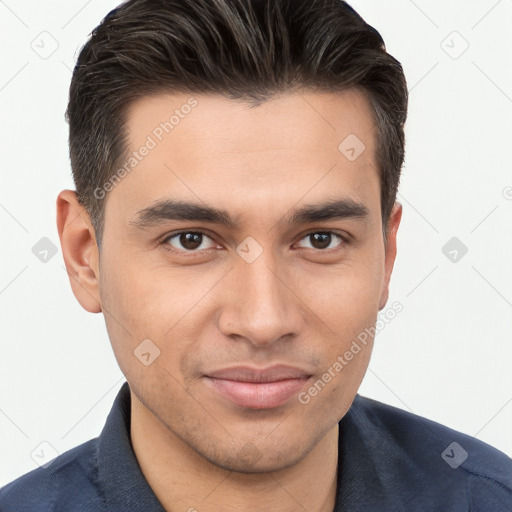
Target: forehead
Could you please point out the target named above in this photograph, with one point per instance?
(225, 152)
(286, 120)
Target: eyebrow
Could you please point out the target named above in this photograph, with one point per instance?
(176, 210)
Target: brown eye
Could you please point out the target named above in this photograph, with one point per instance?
(321, 240)
(188, 241)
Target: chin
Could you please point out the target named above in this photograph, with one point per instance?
(252, 458)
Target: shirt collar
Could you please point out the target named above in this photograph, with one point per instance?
(121, 480)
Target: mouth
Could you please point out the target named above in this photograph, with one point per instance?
(255, 388)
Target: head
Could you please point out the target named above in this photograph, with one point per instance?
(236, 166)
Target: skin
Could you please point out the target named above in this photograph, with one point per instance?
(211, 309)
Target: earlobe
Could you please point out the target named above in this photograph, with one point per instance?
(79, 249)
(390, 251)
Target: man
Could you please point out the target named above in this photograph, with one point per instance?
(236, 165)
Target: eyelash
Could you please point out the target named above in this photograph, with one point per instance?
(343, 241)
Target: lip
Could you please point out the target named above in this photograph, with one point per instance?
(258, 388)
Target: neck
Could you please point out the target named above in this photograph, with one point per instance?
(184, 480)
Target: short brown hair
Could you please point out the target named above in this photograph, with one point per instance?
(241, 49)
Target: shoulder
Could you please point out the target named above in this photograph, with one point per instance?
(68, 479)
(438, 453)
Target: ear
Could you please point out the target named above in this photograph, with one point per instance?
(79, 249)
(390, 251)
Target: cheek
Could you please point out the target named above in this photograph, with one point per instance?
(345, 301)
(154, 302)
(344, 296)
(346, 383)
(333, 390)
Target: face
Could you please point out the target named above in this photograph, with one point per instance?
(280, 268)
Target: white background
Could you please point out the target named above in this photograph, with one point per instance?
(446, 356)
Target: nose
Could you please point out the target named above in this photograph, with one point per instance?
(259, 303)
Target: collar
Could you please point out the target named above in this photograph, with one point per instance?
(120, 478)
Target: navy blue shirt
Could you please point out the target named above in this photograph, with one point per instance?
(389, 460)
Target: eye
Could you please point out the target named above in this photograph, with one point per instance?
(189, 241)
(322, 240)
